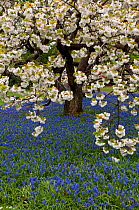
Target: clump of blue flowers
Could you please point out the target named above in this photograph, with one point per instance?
(63, 167)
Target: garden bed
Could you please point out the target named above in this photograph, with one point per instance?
(63, 168)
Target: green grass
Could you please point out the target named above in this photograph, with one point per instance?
(108, 88)
(9, 94)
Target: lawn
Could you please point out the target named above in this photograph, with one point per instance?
(9, 94)
(62, 169)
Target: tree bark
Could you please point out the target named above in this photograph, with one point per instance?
(74, 106)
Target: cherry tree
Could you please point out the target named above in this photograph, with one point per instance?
(67, 49)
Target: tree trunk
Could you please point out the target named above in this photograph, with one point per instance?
(74, 106)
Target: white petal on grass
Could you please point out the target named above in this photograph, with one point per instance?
(38, 130)
(100, 96)
(93, 102)
(116, 160)
(105, 150)
(137, 126)
(120, 131)
(124, 108)
(134, 112)
(102, 103)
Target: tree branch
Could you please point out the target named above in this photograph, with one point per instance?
(29, 58)
(103, 3)
(80, 46)
(64, 50)
(83, 65)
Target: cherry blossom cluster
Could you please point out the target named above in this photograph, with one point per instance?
(85, 44)
(80, 77)
(103, 139)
